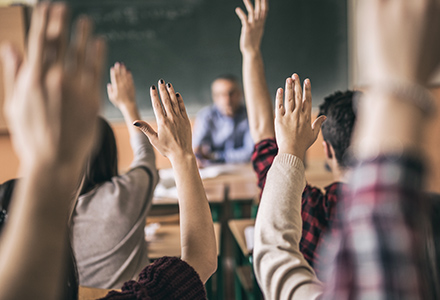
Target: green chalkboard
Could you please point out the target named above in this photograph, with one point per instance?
(190, 42)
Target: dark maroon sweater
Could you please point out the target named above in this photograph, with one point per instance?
(167, 278)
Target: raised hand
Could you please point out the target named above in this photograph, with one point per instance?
(173, 137)
(54, 93)
(293, 128)
(121, 90)
(51, 105)
(173, 140)
(252, 25)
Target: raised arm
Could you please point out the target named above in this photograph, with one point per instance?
(122, 94)
(256, 94)
(52, 101)
(281, 269)
(173, 140)
(382, 232)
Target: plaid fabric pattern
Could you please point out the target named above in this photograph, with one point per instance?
(318, 208)
(379, 247)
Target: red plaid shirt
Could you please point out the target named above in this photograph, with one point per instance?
(318, 208)
(378, 248)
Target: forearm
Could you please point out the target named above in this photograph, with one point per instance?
(130, 112)
(35, 237)
(281, 269)
(257, 97)
(198, 242)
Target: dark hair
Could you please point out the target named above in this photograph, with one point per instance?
(6, 190)
(337, 129)
(103, 162)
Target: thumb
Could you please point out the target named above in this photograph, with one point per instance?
(11, 61)
(316, 126)
(240, 13)
(147, 130)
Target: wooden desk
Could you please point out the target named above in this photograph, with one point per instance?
(215, 193)
(237, 228)
(89, 293)
(166, 241)
(243, 191)
(242, 173)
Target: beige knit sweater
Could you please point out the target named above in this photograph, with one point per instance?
(281, 270)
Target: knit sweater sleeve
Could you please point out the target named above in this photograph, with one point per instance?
(280, 268)
(168, 278)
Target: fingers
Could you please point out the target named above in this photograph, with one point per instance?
(37, 36)
(109, 90)
(157, 106)
(257, 9)
(147, 130)
(264, 8)
(250, 10)
(165, 97)
(243, 18)
(307, 97)
(279, 107)
(181, 106)
(173, 98)
(56, 33)
(81, 40)
(11, 62)
(297, 93)
(289, 96)
(316, 126)
(113, 76)
(99, 53)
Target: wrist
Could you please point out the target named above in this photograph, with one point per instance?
(130, 111)
(63, 178)
(292, 151)
(387, 125)
(182, 159)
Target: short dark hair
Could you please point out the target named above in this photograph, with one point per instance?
(338, 128)
(103, 162)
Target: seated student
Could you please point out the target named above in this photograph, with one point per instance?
(379, 247)
(52, 102)
(221, 131)
(318, 209)
(109, 217)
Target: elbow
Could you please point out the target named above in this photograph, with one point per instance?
(212, 265)
(209, 268)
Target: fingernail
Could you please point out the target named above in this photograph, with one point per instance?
(153, 87)
(177, 95)
(168, 85)
(137, 124)
(161, 81)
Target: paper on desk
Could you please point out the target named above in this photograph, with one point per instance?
(249, 237)
(166, 188)
(213, 171)
(150, 231)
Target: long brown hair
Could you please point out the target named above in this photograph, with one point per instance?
(103, 162)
